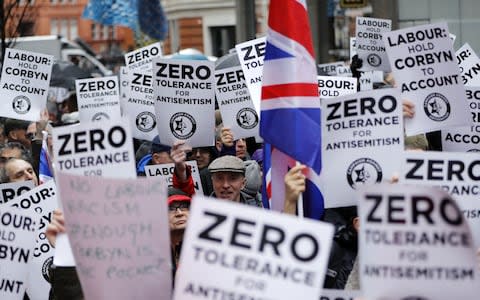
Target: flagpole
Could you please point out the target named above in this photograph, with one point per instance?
(300, 202)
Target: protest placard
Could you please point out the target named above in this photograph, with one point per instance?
(331, 294)
(11, 190)
(353, 48)
(465, 138)
(119, 234)
(330, 68)
(249, 253)
(98, 99)
(235, 104)
(369, 44)
(469, 64)
(334, 86)
(140, 106)
(123, 79)
(361, 133)
(95, 149)
(24, 84)
(141, 59)
(425, 69)
(165, 171)
(457, 173)
(414, 242)
(251, 54)
(184, 101)
(41, 200)
(18, 229)
(344, 71)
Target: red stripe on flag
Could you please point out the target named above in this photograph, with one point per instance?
(289, 90)
(290, 18)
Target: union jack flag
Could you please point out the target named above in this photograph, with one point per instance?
(45, 171)
(290, 106)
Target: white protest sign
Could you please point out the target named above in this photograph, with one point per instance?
(140, 106)
(11, 190)
(469, 64)
(184, 101)
(330, 68)
(361, 133)
(250, 253)
(344, 71)
(251, 54)
(165, 171)
(24, 84)
(353, 48)
(414, 243)
(93, 149)
(119, 234)
(331, 294)
(465, 138)
(369, 43)
(123, 79)
(457, 173)
(334, 86)
(424, 67)
(42, 201)
(98, 99)
(142, 58)
(18, 229)
(235, 104)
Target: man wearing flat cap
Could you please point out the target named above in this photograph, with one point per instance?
(228, 179)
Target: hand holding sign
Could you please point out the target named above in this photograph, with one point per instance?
(179, 156)
(56, 226)
(408, 108)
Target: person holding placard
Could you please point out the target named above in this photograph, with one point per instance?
(158, 154)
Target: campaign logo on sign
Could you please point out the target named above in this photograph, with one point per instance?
(145, 121)
(100, 116)
(247, 118)
(182, 125)
(46, 266)
(364, 171)
(21, 104)
(374, 60)
(436, 107)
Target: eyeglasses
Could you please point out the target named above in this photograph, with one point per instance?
(182, 206)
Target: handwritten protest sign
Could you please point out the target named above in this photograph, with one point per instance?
(426, 72)
(407, 233)
(98, 99)
(334, 86)
(40, 201)
(369, 43)
(235, 104)
(119, 234)
(184, 101)
(142, 58)
(250, 253)
(465, 138)
(24, 84)
(95, 149)
(457, 173)
(11, 190)
(165, 171)
(361, 133)
(251, 54)
(469, 64)
(18, 229)
(140, 106)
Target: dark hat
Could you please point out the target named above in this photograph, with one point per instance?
(12, 124)
(227, 163)
(175, 194)
(157, 146)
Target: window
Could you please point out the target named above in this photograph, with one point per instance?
(223, 39)
(102, 32)
(67, 28)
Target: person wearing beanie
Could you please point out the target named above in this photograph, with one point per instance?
(158, 154)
